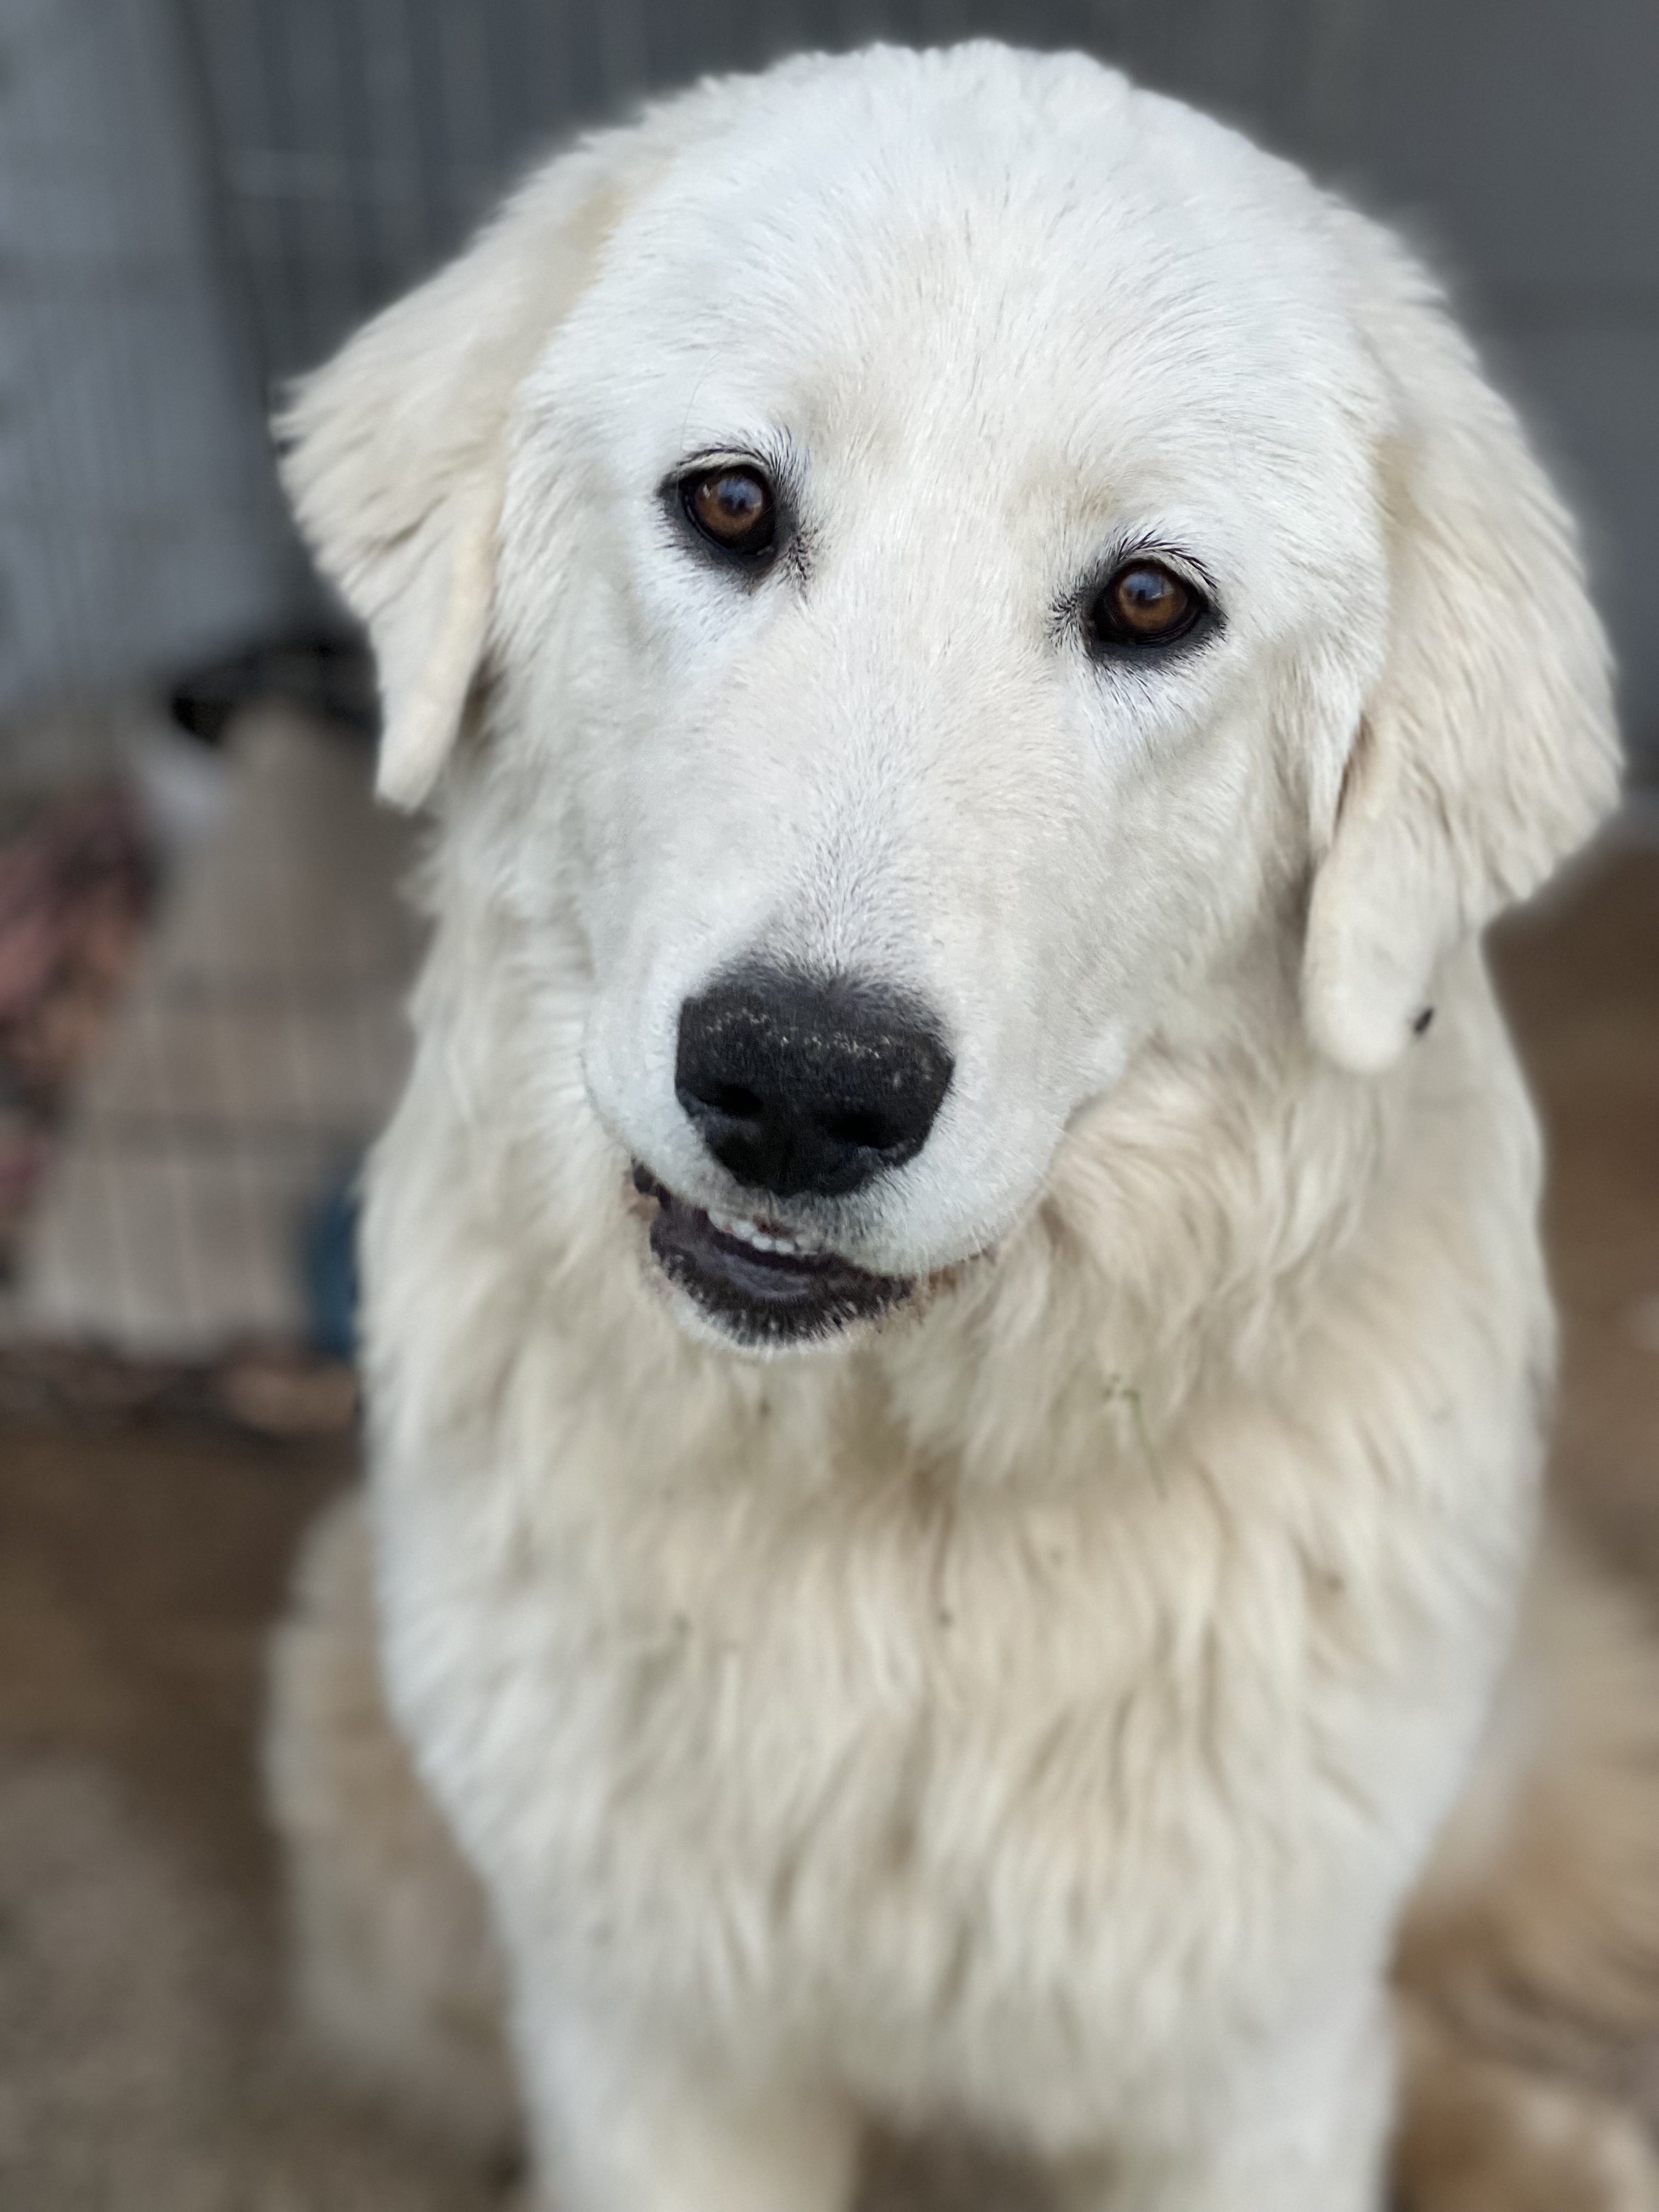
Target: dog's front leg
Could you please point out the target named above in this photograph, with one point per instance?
(623, 2120)
(1311, 2134)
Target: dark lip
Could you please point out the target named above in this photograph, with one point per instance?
(762, 1299)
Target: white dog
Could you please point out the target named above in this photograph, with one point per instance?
(956, 1335)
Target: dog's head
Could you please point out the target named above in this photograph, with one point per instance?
(978, 568)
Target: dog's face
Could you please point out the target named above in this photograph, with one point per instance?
(918, 698)
(945, 557)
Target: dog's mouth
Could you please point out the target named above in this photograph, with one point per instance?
(757, 1281)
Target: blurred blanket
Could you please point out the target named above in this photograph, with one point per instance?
(260, 1044)
(77, 874)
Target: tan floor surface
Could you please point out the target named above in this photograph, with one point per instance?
(142, 2063)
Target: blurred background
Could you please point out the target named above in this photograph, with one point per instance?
(203, 953)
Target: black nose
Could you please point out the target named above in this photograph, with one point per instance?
(799, 1083)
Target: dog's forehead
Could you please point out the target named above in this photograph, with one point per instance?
(901, 263)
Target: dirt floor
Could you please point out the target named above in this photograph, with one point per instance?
(143, 2063)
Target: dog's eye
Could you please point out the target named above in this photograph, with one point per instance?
(734, 508)
(1143, 604)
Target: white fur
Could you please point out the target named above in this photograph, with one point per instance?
(1039, 1708)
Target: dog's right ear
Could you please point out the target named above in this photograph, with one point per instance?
(394, 453)
(1488, 750)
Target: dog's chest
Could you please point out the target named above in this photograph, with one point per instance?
(891, 1773)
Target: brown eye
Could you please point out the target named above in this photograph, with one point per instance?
(1144, 604)
(734, 509)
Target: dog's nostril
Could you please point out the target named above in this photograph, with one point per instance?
(741, 1104)
(799, 1083)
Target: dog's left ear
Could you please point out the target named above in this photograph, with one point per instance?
(1488, 750)
(395, 453)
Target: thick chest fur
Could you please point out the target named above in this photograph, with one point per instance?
(928, 1781)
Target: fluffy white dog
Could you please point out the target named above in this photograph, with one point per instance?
(958, 1342)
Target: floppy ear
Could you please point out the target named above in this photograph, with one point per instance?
(1487, 749)
(395, 453)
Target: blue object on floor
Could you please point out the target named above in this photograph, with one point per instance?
(329, 1259)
